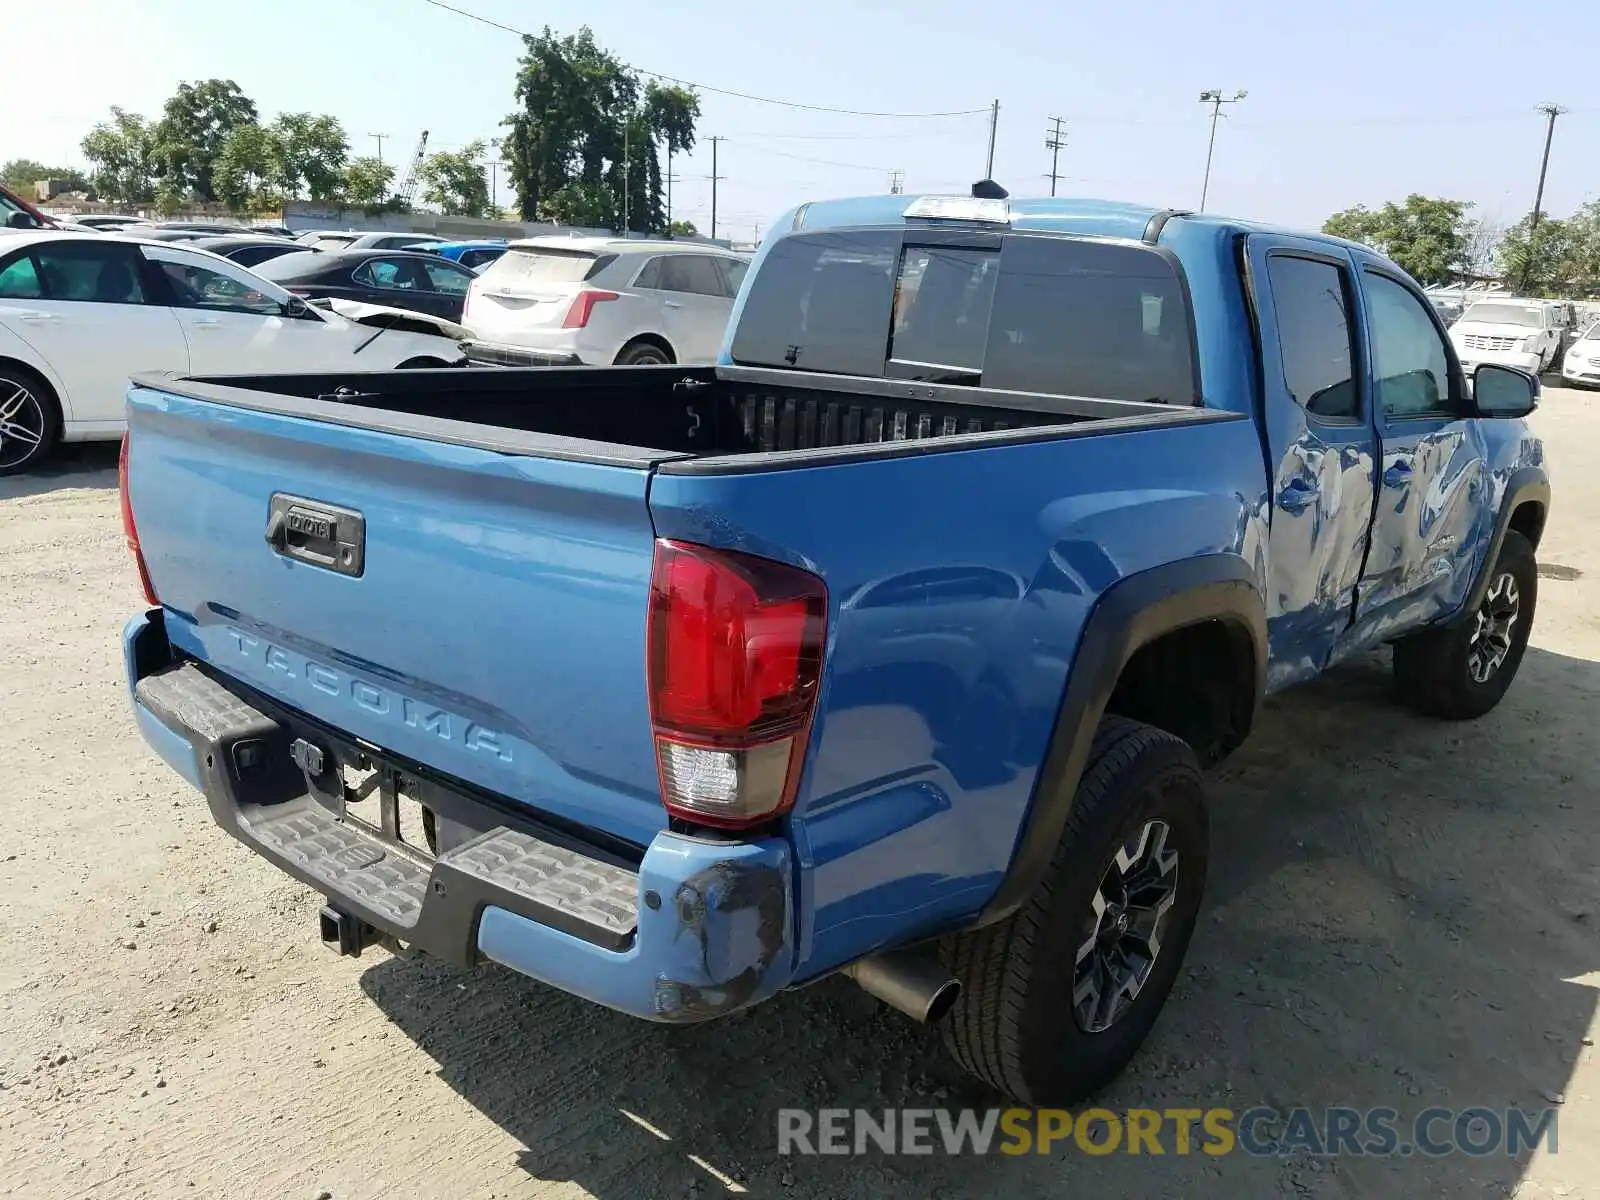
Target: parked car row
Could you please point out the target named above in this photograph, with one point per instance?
(80, 313)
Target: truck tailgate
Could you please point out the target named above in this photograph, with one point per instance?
(490, 624)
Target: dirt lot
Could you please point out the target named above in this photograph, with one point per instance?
(1401, 913)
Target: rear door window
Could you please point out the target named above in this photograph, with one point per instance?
(19, 280)
(695, 274)
(447, 277)
(733, 272)
(1311, 304)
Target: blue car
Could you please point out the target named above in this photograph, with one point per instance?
(472, 255)
(893, 645)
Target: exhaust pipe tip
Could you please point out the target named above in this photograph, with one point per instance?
(914, 983)
(942, 1001)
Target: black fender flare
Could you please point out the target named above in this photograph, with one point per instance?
(1131, 613)
(1527, 484)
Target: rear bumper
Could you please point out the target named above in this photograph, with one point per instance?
(694, 930)
(498, 354)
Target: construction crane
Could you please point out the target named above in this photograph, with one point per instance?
(408, 189)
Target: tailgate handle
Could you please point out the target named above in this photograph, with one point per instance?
(318, 534)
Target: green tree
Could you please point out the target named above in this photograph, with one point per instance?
(585, 144)
(119, 154)
(195, 123)
(367, 182)
(1583, 250)
(1425, 236)
(309, 155)
(588, 204)
(684, 229)
(1536, 261)
(21, 174)
(244, 170)
(458, 182)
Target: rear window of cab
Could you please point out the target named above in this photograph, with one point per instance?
(1015, 311)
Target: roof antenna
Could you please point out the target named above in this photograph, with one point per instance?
(988, 189)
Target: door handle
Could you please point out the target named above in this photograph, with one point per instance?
(206, 323)
(1397, 475)
(1297, 495)
(672, 304)
(39, 318)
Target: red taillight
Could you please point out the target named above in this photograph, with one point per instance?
(582, 305)
(735, 660)
(130, 531)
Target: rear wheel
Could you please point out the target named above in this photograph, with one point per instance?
(1058, 997)
(1461, 671)
(642, 354)
(30, 420)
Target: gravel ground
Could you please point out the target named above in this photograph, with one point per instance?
(1401, 913)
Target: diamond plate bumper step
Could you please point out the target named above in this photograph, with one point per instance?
(261, 794)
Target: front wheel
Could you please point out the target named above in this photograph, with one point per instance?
(1058, 997)
(1461, 671)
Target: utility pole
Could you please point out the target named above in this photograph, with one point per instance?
(715, 179)
(1552, 111)
(897, 182)
(671, 179)
(1054, 141)
(379, 138)
(994, 128)
(669, 186)
(1216, 99)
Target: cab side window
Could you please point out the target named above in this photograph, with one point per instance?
(1410, 362)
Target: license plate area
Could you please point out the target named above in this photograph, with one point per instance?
(382, 799)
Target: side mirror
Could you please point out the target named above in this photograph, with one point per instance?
(1504, 391)
(21, 220)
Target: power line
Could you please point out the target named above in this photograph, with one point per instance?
(705, 87)
(821, 162)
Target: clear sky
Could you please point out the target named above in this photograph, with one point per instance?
(1359, 101)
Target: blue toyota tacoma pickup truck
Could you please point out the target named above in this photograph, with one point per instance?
(893, 645)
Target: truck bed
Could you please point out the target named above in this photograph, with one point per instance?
(677, 418)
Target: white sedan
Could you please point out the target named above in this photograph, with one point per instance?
(81, 313)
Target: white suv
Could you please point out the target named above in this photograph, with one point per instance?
(1512, 333)
(550, 301)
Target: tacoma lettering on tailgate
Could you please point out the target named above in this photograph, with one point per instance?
(380, 701)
